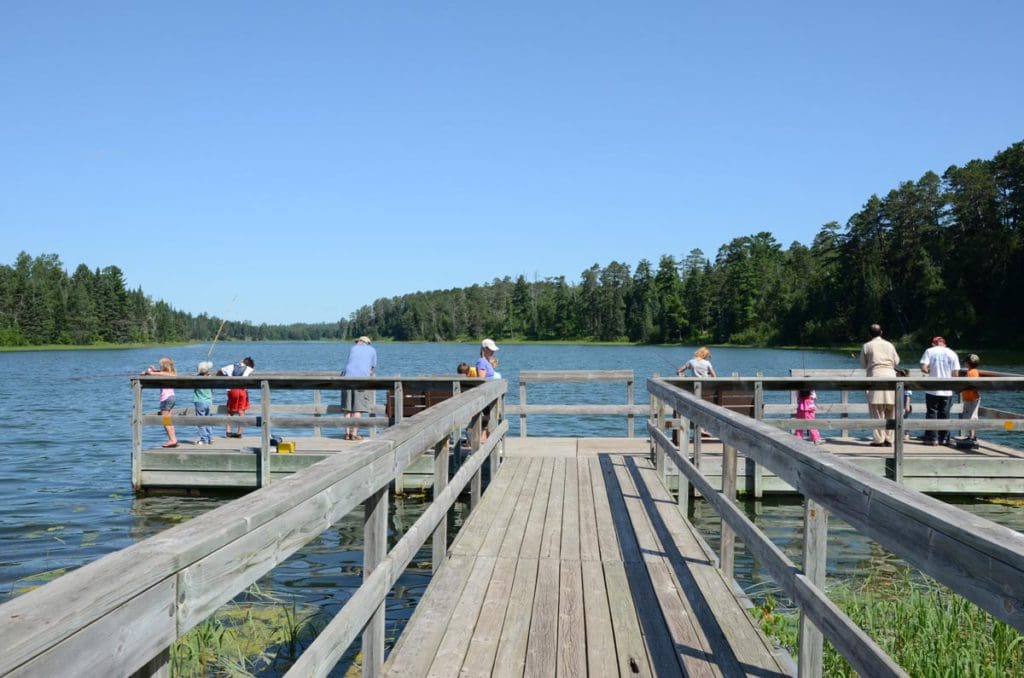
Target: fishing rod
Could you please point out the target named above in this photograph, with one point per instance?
(224, 320)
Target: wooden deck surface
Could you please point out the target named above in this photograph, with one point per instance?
(578, 563)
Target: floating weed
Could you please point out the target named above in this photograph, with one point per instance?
(89, 538)
(1004, 501)
(25, 589)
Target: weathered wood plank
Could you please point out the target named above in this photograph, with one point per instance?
(562, 376)
(416, 647)
(503, 519)
(483, 645)
(606, 534)
(551, 541)
(600, 637)
(515, 633)
(570, 533)
(542, 649)
(572, 643)
(453, 647)
(630, 650)
(534, 533)
(590, 546)
(474, 532)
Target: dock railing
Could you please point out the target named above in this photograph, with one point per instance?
(629, 409)
(120, 614)
(267, 415)
(973, 557)
(836, 416)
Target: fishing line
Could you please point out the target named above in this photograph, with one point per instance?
(224, 320)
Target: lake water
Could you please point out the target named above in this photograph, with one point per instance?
(65, 440)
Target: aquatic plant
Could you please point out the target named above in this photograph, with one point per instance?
(926, 628)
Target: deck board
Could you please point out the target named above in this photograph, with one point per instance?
(580, 566)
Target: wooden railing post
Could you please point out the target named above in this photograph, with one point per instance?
(629, 401)
(728, 546)
(264, 478)
(157, 667)
(815, 558)
(375, 546)
(398, 411)
(659, 453)
(844, 398)
(475, 483)
(136, 433)
(683, 429)
(493, 420)
(316, 410)
(897, 435)
(757, 471)
(439, 541)
(696, 433)
(522, 406)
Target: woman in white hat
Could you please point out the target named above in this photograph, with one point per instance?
(485, 364)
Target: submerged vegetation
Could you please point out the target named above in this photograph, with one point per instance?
(923, 626)
(940, 255)
(247, 637)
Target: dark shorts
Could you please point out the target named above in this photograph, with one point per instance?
(238, 400)
(167, 405)
(357, 401)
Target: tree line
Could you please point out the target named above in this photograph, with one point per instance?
(939, 255)
(41, 304)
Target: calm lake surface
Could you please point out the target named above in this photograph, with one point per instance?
(65, 440)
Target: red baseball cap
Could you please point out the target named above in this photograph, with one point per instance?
(938, 340)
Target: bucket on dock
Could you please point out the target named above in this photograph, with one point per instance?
(286, 447)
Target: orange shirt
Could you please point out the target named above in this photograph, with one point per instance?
(971, 394)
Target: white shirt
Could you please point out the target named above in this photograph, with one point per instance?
(941, 363)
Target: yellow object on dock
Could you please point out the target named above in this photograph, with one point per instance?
(284, 447)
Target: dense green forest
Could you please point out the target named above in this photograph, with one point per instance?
(41, 304)
(940, 255)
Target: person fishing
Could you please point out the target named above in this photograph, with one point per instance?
(238, 398)
(699, 364)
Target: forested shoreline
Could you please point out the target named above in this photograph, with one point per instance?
(939, 255)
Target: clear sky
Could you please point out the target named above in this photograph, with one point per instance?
(307, 158)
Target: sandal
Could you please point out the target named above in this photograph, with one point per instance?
(169, 445)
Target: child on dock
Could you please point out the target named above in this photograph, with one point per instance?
(166, 398)
(202, 399)
(970, 397)
(238, 398)
(805, 409)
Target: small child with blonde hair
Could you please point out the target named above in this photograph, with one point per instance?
(166, 397)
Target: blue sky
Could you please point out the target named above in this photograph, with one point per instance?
(304, 159)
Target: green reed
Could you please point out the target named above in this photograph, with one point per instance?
(924, 627)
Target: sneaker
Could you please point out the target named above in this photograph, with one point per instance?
(201, 442)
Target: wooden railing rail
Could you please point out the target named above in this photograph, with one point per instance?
(266, 415)
(975, 558)
(630, 410)
(122, 612)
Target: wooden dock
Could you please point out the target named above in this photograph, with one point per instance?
(578, 563)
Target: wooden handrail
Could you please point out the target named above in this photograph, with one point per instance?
(975, 558)
(630, 410)
(114, 615)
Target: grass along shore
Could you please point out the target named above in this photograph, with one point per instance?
(926, 628)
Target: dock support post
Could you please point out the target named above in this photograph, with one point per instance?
(522, 407)
(815, 558)
(375, 546)
(136, 434)
(758, 470)
(439, 541)
(264, 478)
(316, 411)
(726, 558)
(659, 423)
(629, 401)
(897, 436)
(844, 398)
(398, 412)
(474, 484)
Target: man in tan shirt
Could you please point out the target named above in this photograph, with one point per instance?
(879, 358)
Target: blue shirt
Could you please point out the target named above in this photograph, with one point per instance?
(362, 361)
(484, 368)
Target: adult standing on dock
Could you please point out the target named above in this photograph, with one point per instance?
(362, 362)
(485, 363)
(238, 398)
(940, 362)
(879, 358)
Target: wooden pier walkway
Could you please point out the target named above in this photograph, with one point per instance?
(578, 562)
